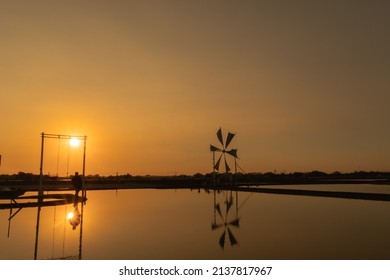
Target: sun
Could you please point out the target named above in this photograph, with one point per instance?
(74, 142)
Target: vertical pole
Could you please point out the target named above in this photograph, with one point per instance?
(214, 168)
(84, 155)
(84, 194)
(236, 204)
(41, 165)
(58, 153)
(9, 220)
(40, 194)
(81, 231)
(37, 231)
(67, 162)
(63, 240)
(235, 171)
(214, 210)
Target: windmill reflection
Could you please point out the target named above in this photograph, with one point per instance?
(224, 202)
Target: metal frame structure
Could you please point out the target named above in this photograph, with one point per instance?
(40, 191)
(60, 136)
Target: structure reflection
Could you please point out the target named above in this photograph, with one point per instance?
(224, 215)
(16, 200)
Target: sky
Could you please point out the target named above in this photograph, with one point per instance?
(303, 84)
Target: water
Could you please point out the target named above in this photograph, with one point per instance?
(186, 224)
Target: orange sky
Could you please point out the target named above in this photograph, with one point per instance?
(304, 85)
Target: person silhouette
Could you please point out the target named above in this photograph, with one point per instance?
(77, 183)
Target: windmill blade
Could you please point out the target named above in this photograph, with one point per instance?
(222, 240)
(229, 138)
(233, 152)
(233, 240)
(218, 208)
(216, 166)
(215, 226)
(235, 223)
(214, 149)
(219, 135)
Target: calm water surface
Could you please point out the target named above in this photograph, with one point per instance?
(196, 224)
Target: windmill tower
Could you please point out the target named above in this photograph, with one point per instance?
(224, 153)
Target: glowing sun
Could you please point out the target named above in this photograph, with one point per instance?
(74, 142)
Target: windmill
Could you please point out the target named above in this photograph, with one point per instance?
(223, 152)
(225, 222)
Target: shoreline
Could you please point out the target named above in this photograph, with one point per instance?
(180, 182)
(274, 187)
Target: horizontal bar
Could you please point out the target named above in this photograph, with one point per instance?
(62, 136)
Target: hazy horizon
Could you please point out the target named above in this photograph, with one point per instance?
(303, 84)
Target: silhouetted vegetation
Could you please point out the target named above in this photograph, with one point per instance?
(209, 179)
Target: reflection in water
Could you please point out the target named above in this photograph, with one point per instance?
(75, 216)
(175, 224)
(224, 219)
(21, 201)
